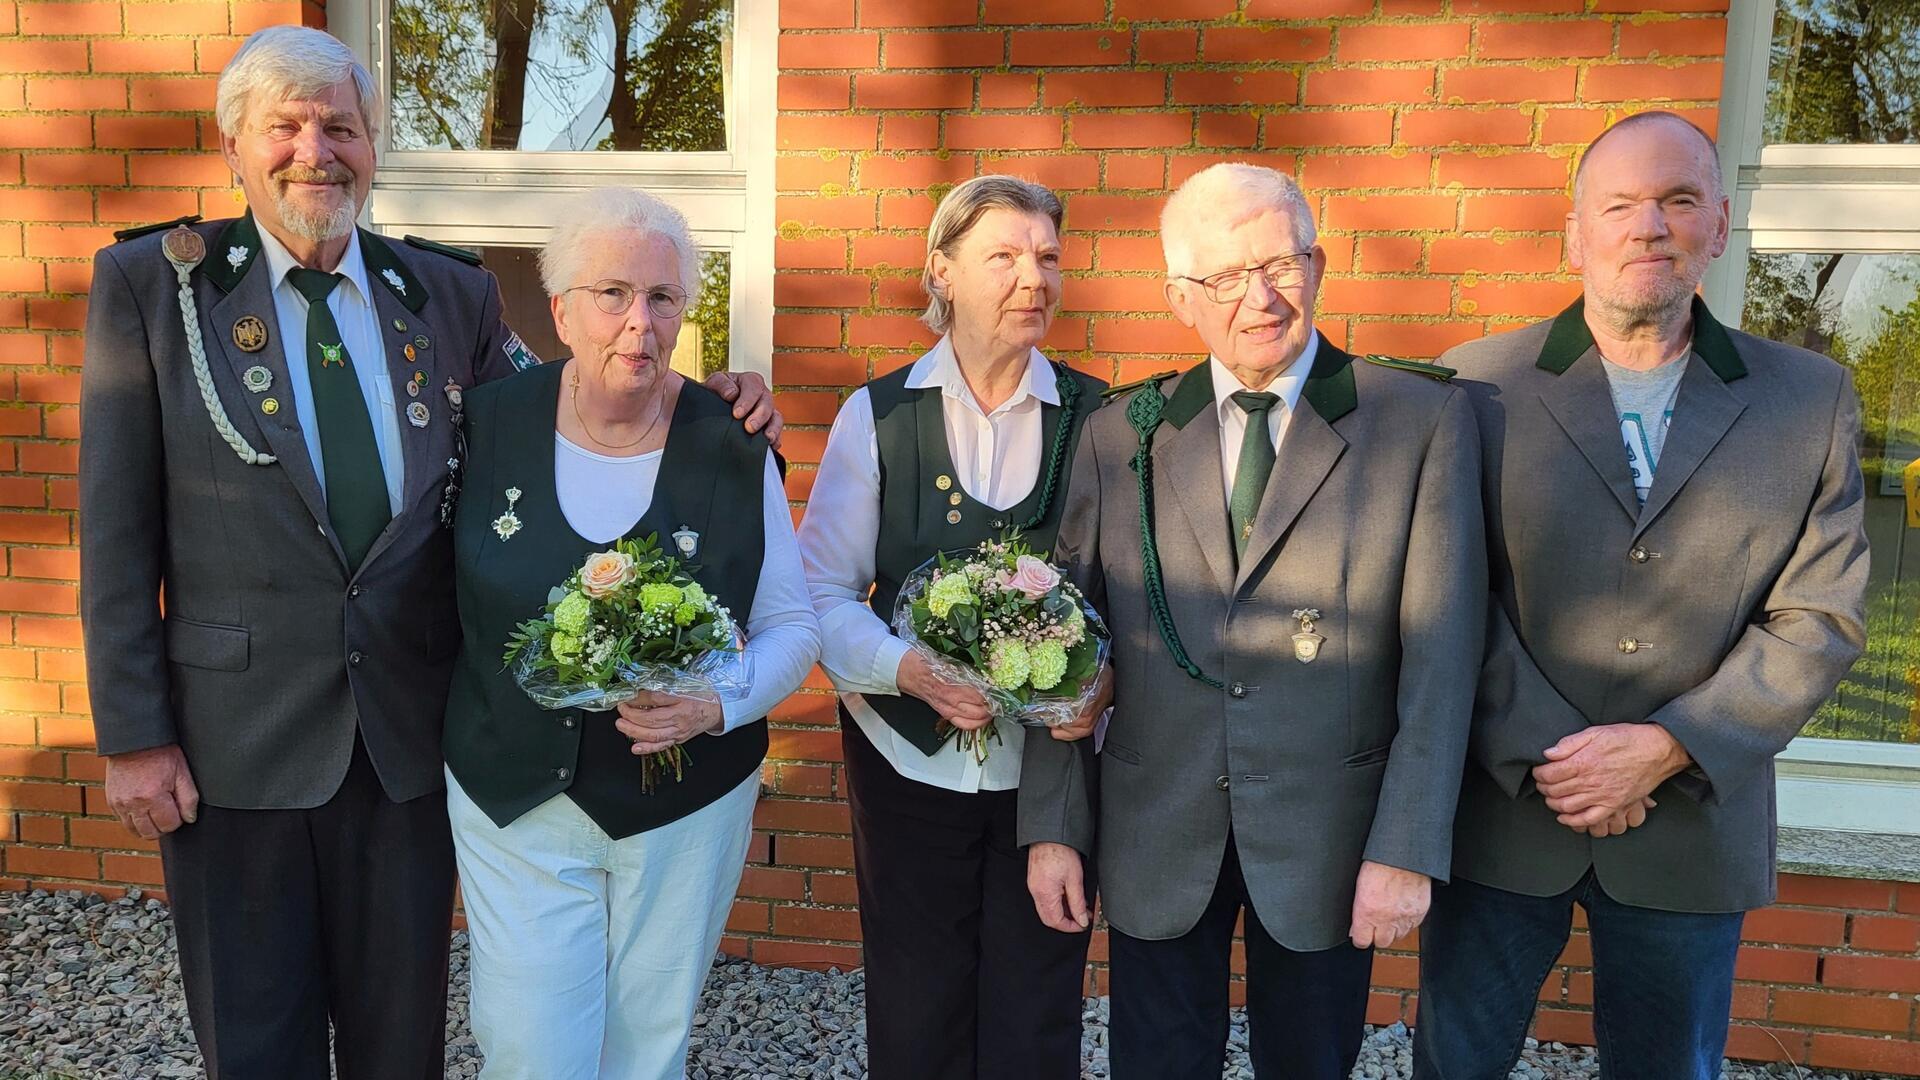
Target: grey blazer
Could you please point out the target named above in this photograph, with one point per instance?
(1726, 610)
(216, 606)
(1373, 517)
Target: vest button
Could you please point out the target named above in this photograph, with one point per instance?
(560, 774)
(354, 658)
(566, 721)
(1638, 554)
(1629, 645)
(1238, 690)
(1223, 783)
(353, 591)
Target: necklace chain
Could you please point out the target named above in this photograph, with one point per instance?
(574, 399)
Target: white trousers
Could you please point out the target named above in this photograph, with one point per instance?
(589, 953)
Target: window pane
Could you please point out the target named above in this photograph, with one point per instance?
(1844, 71)
(560, 74)
(700, 350)
(1864, 311)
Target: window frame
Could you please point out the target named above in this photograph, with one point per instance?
(495, 197)
(1844, 198)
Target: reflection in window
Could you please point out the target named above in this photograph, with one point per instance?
(560, 74)
(1864, 311)
(1844, 71)
(700, 350)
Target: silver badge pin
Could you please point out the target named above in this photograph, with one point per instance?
(1306, 643)
(687, 541)
(417, 414)
(257, 379)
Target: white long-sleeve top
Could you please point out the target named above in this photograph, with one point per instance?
(997, 457)
(602, 497)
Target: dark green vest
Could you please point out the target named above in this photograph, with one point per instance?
(511, 755)
(920, 515)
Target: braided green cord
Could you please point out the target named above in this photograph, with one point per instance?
(1143, 413)
(1069, 390)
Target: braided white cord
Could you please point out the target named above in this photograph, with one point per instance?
(197, 350)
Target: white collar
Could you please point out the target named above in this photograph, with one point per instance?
(940, 367)
(352, 266)
(1287, 384)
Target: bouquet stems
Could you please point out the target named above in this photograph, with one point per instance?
(972, 741)
(655, 766)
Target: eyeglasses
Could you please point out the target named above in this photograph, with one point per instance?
(615, 297)
(1285, 272)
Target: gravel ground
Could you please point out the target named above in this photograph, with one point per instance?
(89, 988)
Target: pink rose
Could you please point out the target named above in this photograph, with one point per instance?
(1033, 577)
(604, 572)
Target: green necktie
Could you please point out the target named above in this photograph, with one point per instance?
(1256, 464)
(356, 484)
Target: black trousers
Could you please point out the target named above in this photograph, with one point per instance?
(963, 979)
(1305, 1010)
(290, 918)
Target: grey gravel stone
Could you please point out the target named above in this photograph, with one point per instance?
(89, 990)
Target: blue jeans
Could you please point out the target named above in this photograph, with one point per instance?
(1662, 982)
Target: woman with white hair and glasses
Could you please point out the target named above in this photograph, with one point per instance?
(595, 904)
(973, 440)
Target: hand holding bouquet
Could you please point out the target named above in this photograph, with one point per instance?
(1000, 619)
(628, 620)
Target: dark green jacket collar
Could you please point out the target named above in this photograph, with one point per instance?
(238, 246)
(1568, 339)
(1329, 388)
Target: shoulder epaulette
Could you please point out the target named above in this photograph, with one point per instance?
(465, 255)
(1122, 389)
(1431, 371)
(124, 235)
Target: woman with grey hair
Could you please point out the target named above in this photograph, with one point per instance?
(973, 440)
(595, 905)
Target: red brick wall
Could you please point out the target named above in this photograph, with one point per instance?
(1434, 136)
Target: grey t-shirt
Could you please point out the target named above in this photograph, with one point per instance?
(1643, 400)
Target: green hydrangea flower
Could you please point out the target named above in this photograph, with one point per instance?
(570, 615)
(564, 647)
(1008, 664)
(1049, 661)
(694, 593)
(1076, 624)
(686, 614)
(950, 590)
(660, 596)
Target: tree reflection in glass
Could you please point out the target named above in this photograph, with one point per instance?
(1844, 71)
(560, 74)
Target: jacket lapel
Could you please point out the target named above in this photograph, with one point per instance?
(398, 297)
(1188, 457)
(1307, 455)
(234, 266)
(1702, 415)
(1581, 403)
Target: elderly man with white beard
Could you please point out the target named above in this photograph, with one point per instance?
(272, 407)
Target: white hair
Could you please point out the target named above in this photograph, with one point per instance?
(288, 62)
(1223, 195)
(609, 209)
(959, 211)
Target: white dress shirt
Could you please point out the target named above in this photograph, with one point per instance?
(352, 305)
(996, 457)
(1233, 419)
(603, 497)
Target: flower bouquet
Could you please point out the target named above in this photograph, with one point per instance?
(628, 620)
(999, 619)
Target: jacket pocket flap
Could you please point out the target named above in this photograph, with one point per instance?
(1369, 757)
(206, 645)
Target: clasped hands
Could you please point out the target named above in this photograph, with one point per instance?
(657, 722)
(967, 709)
(1599, 781)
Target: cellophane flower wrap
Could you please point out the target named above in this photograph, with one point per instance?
(628, 620)
(1002, 620)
